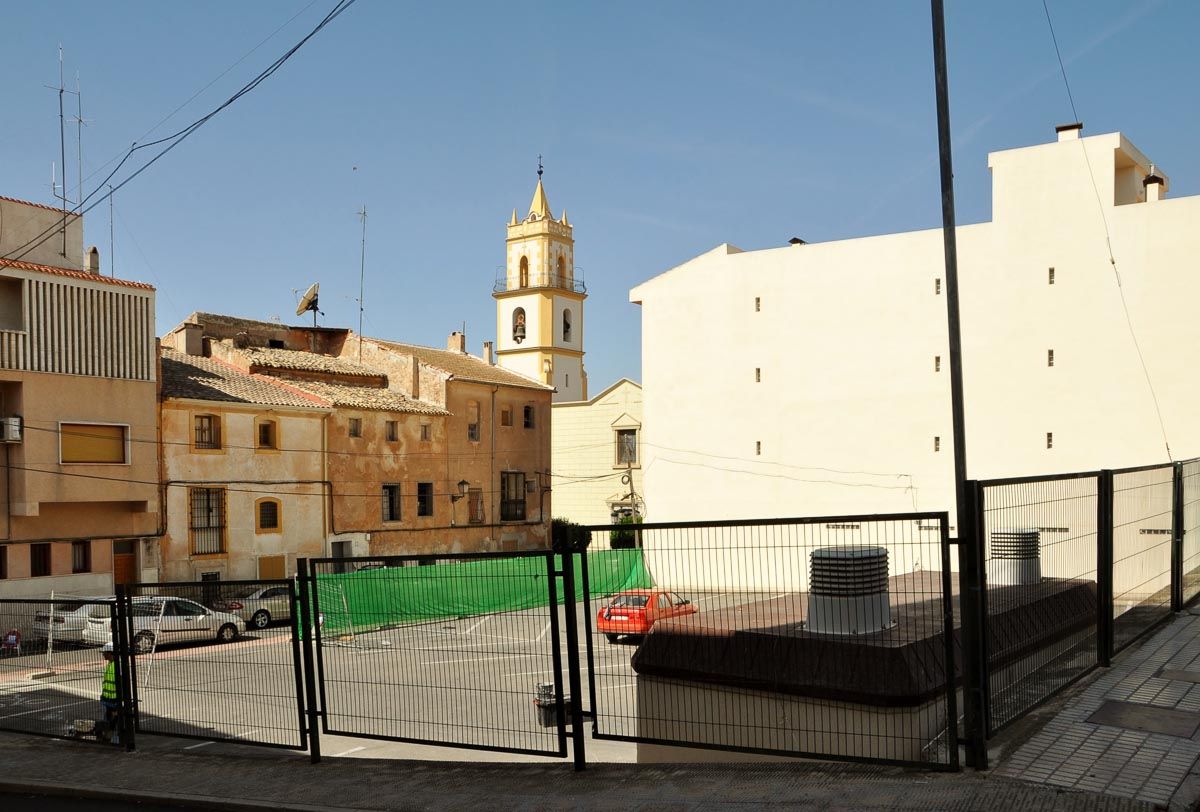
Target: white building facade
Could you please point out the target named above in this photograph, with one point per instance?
(818, 377)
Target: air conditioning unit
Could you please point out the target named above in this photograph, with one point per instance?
(11, 429)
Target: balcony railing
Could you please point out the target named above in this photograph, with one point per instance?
(573, 282)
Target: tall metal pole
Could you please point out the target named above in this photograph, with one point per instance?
(970, 548)
(62, 147)
(362, 275)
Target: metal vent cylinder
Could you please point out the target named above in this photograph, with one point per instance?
(1015, 557)
(848, 590)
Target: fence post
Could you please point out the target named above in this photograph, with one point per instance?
(307, 640)
(126, 683)
(1104, 568)
(972, 580)
(574, 683)
(1177, 539)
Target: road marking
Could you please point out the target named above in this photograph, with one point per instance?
(614, 687)
(530, 673)
(476, 626)
(475, 659)
(201, 744)
(43, 709)
(545, 631)
(347, 752)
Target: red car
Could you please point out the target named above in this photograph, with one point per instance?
(634, 611)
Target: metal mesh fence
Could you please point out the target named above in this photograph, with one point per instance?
(1142, 538)
(218, 660)
(1191, 530)
(1040, 554)
(51, 667)
(419, 662)
(820, 637)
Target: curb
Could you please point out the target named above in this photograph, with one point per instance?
(165, 798)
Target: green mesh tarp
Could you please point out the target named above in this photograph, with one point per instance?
(389, 596)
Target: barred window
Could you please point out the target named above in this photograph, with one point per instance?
(208, 431)
(512, 496)
(627, 447)
(207, 521)
(267, 519)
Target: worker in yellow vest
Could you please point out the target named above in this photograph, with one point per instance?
(108, 694)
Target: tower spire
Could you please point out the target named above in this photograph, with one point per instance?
(540, 205)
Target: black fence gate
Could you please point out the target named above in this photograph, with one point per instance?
(830, 637)
(442, 650)
(219, 661)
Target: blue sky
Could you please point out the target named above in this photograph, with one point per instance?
(666, 127)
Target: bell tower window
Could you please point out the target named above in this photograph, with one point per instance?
(518, 326)
(523, 280)
(562, 271)
(567, 324)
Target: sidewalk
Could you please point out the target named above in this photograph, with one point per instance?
(1055, 759)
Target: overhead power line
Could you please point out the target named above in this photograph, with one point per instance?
(175, 139)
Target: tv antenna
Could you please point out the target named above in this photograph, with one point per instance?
(62, 149)
(362, 273)
(309, 302)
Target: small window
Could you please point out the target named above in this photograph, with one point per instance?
(473, 421)
(937, 443)
(355, 427)
(757, 303)
(1049, 439)
(425, 432)
(758, 448)
(1049, 358)
(391, 430)
(506, 416)
(267, 434)
(1050, 279)
(81, 556)
(937, 287)
(627, 447)
(39, 560)
(391, 503)
(937, 363)
(512, 496)
(424, 498)
(523, 274)
(475, 505)
(208, 431)
(93, 443)
(758, 374)
(529, 417)
(566, 324)
(276, 343)
(268, 519)
(3, 563)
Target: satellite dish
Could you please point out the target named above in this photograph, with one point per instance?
(309, 302)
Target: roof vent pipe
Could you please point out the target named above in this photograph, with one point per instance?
(1069, 132)
(1015, 558)
(848, 590)
(91, 260)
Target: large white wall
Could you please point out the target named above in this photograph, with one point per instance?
(849, 402)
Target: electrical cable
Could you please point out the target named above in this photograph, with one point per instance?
(1108, 240)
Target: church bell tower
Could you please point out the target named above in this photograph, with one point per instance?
(539, 302)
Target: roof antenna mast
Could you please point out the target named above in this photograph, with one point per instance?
(362, 275)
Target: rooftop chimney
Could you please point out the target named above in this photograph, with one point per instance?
(1156, 185)
(457, 342)
(1069, 132)
(91, 261)
(796, 241)
(487, 352)
(193, 338)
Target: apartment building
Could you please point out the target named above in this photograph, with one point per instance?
(78, 380)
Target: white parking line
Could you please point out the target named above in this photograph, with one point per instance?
(347, 752)
(475, 659)
(49, 708)
(477, 625)
(201, 744)
(614, 687)
(545, 631)
(206, 744)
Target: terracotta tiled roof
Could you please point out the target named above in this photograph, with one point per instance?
(366, 397)
(21, 265)
(463, 366)
(189, 376)
(35, 205)
(272, 358)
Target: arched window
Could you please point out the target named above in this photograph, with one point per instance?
(519, 325)
(562, 270)
(524, 277)
(268, 516)
(567, 324)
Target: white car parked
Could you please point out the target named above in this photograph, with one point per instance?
(162, 620)
(68, 619)
(259, 606)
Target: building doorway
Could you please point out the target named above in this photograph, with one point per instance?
(124, 562)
